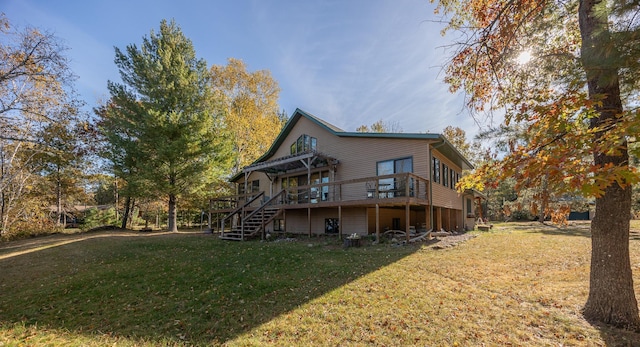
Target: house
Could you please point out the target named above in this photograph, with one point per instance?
(319, 179)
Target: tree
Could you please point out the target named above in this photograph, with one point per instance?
(163, 125)
(33, 75)
(380, 127)
(61, 163)
(574, 100)
(35, 94)
(458, 138)
(251, 104)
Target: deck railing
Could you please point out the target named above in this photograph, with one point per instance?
(395, 188)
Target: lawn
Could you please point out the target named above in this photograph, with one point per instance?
(520, 284)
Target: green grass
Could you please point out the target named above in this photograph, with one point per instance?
(518, 285)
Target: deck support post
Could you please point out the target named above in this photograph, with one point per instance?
(209, 216)
(340, 222)
(407, 216)
(309, 219)
(427, 218)
(377, 223)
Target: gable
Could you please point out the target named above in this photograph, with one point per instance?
(303, 123)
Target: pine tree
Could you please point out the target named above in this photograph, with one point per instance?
(163, 124)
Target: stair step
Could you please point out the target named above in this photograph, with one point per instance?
(252, 226)
(231, 236)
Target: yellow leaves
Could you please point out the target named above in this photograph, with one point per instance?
(251, 108)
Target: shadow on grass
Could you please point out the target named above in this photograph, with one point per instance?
(573, 229)
(616, 337)
(562, 231)
(175, 288)
(582, 229)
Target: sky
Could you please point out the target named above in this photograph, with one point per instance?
(348, 62)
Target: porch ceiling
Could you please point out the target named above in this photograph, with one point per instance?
(292, 162)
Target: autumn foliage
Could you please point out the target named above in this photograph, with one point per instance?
(568, 115)
(547, 112)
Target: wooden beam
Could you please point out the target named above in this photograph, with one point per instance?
(309, 219)
(407, 216)
(377, 223)
(427, 218)
(340, 222)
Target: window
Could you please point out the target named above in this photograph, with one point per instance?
(294, 195)
(325, 189)
(393, 186)
(436, 170)
(453, 179)
(469, 207)
(445, 175)
(278, 225)
(304, 143)
(331, 225)
(308, 194)
(252, 186)
(321, 192)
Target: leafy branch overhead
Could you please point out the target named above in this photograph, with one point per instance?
(569, 110)
(544, 96)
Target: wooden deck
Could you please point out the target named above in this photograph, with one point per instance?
(407, 189)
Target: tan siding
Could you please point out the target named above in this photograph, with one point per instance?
(318, 217)
(358, 156)
(353, 220)
(416, 218)
(265, 183)
(445, 196)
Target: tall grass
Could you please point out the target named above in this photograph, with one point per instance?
(515, 285)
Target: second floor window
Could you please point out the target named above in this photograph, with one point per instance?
(436, 169)
(445, 175)
(304, 143)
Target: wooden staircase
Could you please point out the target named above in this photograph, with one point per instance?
(253, 224)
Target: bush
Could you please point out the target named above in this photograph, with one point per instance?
(96, 218)
(27, 229)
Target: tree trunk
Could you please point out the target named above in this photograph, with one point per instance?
(132, 210)
(611, 296)
(116, 197)
(2, 198)
(58, 199)
(125, 215)
(173, 226)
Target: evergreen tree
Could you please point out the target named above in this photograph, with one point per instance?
(163, 125)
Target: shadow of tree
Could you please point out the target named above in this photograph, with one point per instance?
(180, 288)
(615, 337)
(612, 336)
(578, 229)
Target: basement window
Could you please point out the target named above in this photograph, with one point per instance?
(331, 225)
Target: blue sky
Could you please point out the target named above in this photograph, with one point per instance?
(348, 62)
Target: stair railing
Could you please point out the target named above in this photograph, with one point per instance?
(274, 200)
(241, 210)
